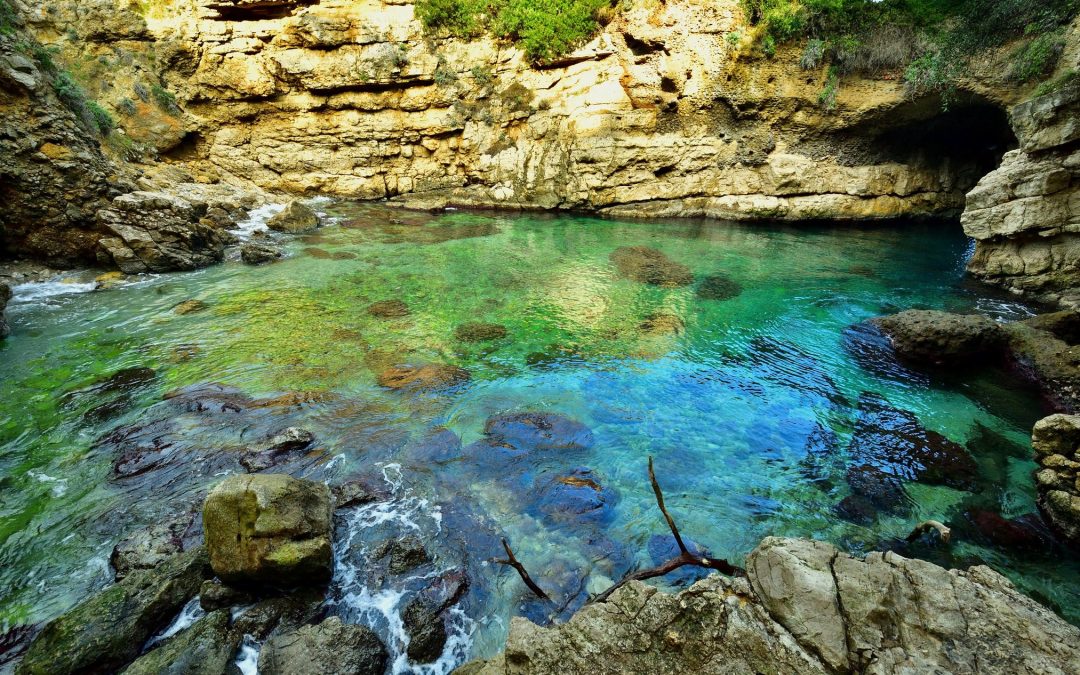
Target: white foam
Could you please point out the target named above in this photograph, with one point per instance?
(247, 658)
(191, 613)
(38, 291)
(257, 219)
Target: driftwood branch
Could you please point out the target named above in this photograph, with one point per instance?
(512, 561)
(684, 558)
(928, 525)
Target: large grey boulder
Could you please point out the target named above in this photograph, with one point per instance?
(335, 648)
(205, 648)
(805, 607)
(940, 338)
(158, 232)
(1056, 440)
(295, 219)
(269, 529)
(108, 630)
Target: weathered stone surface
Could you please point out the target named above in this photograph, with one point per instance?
(336, 648)
(254, 253)
(269, 529)
(158, 232)
(941, 338)
(295, 219)
(280, 447)
(1049, 361)
(1056, 440)
(108, 630)
(5, 297)
(650, 266)
(388, 309)
(150, 547)
(205, 648)
(805, 608)
(216, 595)
(403, 555)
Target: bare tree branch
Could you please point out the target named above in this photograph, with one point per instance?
(663, 509)
(928, 525)
(512, 561)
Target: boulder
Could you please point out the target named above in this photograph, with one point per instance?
(295, 219)
(424, 617)
(650, 266)
(205, 648)
(108, 630)
(479, 332)
(158, 232)
(216, 595)
(254, 253)
(526, 431)
(269, 529)
(1045, 358)
(1056, 440)
(151, 546)
(403, 555)
(280, 447)
(427, 377)
(943, 339)
(804, 607)
(337, 648)
(5, 296)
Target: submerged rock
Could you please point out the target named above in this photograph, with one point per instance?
(295, 219)
(804, 607)
(661, 323)
(108, 630)
(940, 338)
(1026, 534)
(281, 447)
(479, 332)
(189, 307)
(388, 309)
(269, 529)
(650, 266)
(428, 377)
(1049, 361)
(525, 431)
(333, 647)
(1056, 440)
(718, 287)
(575, 498)
(254, 253)
(205, 648)
(403, 555)
(151, 546)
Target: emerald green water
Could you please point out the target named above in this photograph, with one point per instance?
(747, 408)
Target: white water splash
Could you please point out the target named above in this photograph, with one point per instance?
(256, 220)
(191, 613)
(42, 291)
(247, 658)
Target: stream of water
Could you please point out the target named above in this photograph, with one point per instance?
(739, 373)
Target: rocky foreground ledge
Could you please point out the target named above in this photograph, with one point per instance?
(805, 608)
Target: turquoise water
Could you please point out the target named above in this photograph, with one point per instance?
(748, 399)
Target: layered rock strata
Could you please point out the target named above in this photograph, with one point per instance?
(1056, 440)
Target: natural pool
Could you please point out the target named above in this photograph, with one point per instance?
(738, 373)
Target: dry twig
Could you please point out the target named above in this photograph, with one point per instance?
(512, 561)
(928, 525)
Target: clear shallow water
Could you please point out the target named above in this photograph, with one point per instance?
(748, 405)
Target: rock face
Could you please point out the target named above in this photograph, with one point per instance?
(1048, 359)
(336, 648)
(108, 630)
(269, 529)
(157, 232)
(1025, 216)
(1056, 440)
(805, 608)
(940, 338)
(295, 219)
(5, 297)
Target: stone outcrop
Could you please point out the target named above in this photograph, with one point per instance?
(1025, 216)
(269, 529)
(336, 648)
(109, 630)
(1048, 354)
(205, 648)
(804, 608)
(940, 338)
(254, 253)
(5, 297)
(1056, 440)
(294, 219)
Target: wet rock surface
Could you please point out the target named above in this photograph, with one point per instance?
(403, 555)
(650, 266)
(940, 338)
(294, 219)
(5, 297)
(804, 607)
(269, 529)
(284, 445)
(527, 431)
(152, 546)
(205, 648)
(108, 630)
(255, 253)
(718, 287)
(1056, 440)
(336, 648)
(388, 309)
(427, 377)
(479, 332)
(1049, 361)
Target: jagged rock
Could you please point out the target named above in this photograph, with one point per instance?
(357, 492)
(940, 338)
(1049, 361)
(254, 253)
(108, 630)
(158, 232)
(388, 309)
(269, 529)
(804, 608)
(282, 614)
(337, 648)
(650, 266)
(295, 219)
(479, 332)
(282, 446)
(150, 547)
(1056, 440)
(403, 555)
(205, 648)
(5, 297)
(428, 377)
(424, 617)
(216, 595)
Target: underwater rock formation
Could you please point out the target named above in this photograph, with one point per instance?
(254, 253)
(940, 338)
(5, 297)
(804, 608)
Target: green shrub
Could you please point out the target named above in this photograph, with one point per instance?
(483, 75)
(102, 119)
(1063, 80)
(164, 99)
(127, 106)
(1037, 58)
(8, 19)
(828, 95)
(813, 54)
